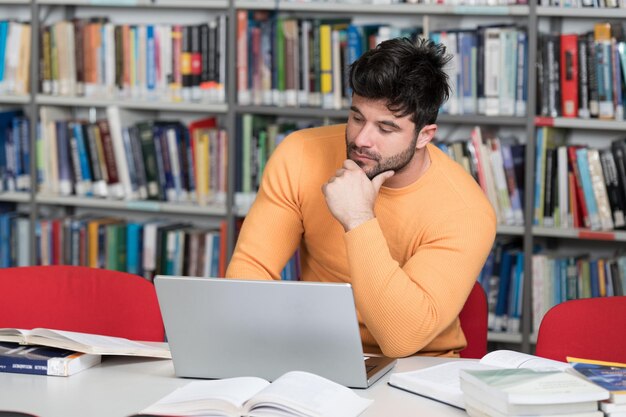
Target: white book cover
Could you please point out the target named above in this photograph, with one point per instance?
(51, 183)
(115, 115)
(492, 76)
(599, 190)
(337, 70)
(109, 61)
(508, 71)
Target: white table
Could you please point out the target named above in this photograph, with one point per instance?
(122, 386)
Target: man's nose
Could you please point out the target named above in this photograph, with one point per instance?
(364, 137)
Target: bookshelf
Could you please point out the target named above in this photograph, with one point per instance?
(429, 17)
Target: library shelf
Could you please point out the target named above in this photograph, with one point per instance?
(13, 99)
(179, 4)
(134, 205)
(182, 106)
(14, 197)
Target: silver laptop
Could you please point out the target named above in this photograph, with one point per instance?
(223, 328)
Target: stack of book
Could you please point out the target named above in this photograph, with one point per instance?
(610, 376)
(529, 392)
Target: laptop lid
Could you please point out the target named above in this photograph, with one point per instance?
(223, 328)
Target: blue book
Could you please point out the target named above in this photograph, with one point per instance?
(163, 161)
(506, 269)
(466, 40)
(6, 220)
(585, 177)
(151, 59)
(134, 248)
(42, 360)
(609, 375)
(4, 30)
(16, 150)
(215, 255)
(63, 152)
(516, 293)
(594, 278)
(84, 179)
(23, 178)
(6, 124)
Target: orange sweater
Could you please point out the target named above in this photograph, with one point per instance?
(411, 268)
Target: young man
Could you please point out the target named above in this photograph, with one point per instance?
(398, 219)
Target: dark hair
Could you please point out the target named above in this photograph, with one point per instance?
(408, 74)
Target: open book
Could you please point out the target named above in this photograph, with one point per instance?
(442, 383)
(295, 393)
(85, 342)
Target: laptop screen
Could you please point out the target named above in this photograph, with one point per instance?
(221, 328)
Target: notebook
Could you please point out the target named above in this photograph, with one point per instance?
(223, 328)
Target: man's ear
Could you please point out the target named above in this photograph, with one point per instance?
(426, 135)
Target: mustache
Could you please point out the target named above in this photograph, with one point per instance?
(362, 151)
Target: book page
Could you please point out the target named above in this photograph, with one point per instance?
(512, 359)
(306, 394)
(218, 397)
(438, 382)
(94, 343)
(13, 335)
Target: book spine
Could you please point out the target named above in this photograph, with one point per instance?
(569, 75)
(583, 78)
(585, 176)
(24, 365)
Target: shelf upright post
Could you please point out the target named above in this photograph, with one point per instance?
(33, 121)
(231, 115)
(529, 178)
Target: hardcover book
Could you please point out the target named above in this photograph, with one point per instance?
(42, 360)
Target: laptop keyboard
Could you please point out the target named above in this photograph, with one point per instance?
(368, 367)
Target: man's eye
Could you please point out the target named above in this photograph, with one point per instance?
(383, 130)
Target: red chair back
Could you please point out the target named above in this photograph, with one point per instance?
(589, 328)
(80, 299)
(473, 319)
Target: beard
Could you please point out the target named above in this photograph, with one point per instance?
(394, 163)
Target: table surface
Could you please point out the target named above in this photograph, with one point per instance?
(122, 386)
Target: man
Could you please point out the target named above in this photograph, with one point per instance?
(398, 219)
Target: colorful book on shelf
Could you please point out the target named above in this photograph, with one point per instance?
(85, 342)
(587, 186)
(604, 58)
(293, 394)
(569, 75)
(42, 360)
(441, 382)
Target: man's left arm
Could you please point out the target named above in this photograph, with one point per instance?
(406, 306)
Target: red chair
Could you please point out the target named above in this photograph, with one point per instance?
(473, 319)
(590, 328)
(80, 299)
